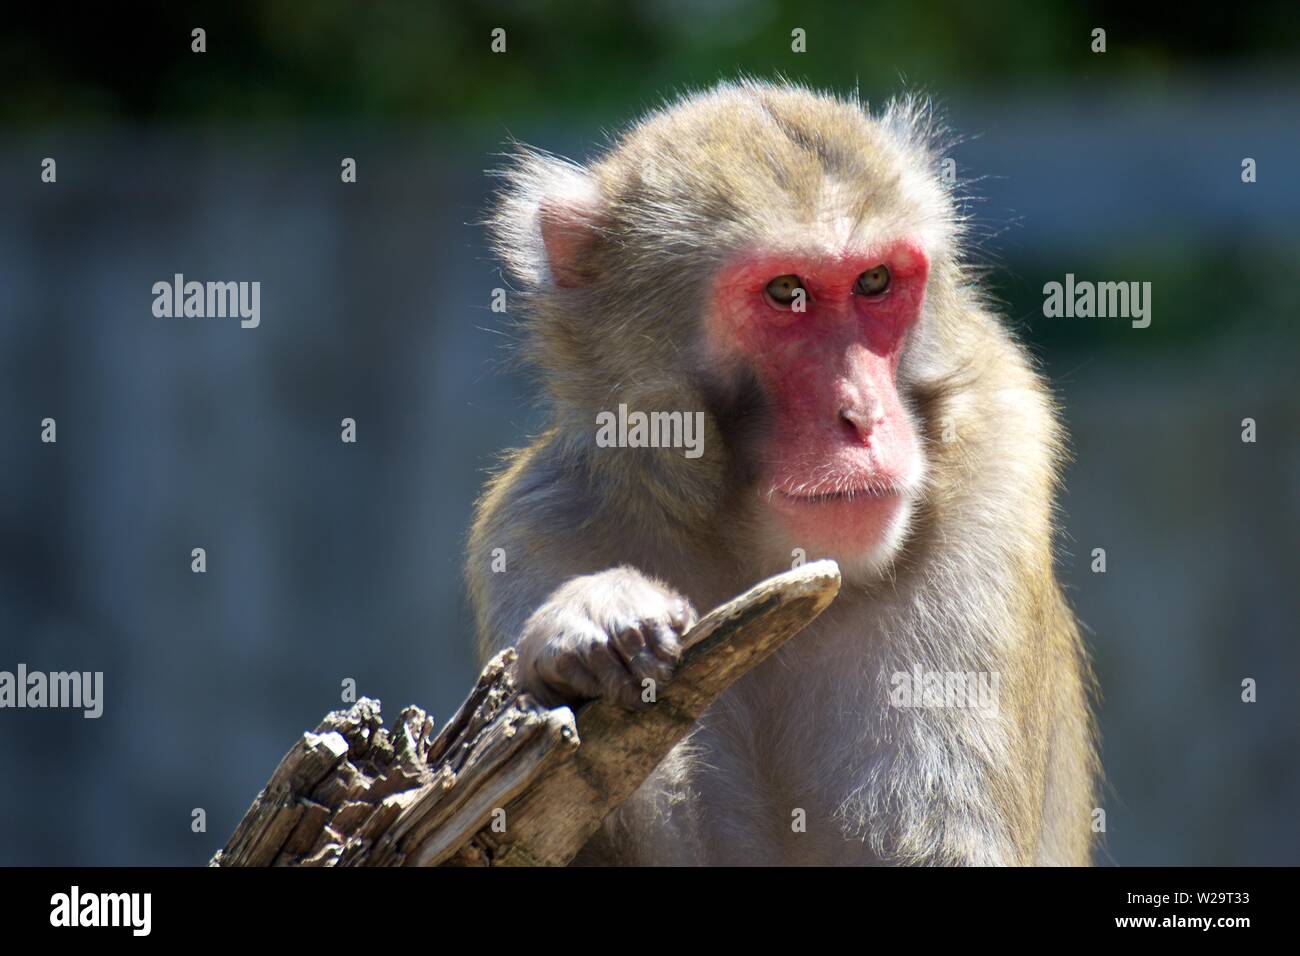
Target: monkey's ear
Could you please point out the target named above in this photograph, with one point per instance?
(547, 220)
(570, 231)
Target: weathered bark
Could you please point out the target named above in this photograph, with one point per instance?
(507, 780)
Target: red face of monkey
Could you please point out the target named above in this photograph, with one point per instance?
(825, 223)
(824, 334)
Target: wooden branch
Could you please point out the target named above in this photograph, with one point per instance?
(505, 781)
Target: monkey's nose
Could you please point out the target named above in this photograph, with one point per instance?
(858, 422)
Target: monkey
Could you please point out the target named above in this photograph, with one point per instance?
(790, 263)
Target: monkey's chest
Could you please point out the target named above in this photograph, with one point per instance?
(779, 776)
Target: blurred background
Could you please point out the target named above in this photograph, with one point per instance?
(329, 561)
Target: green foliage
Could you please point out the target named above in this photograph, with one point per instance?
(432, 61)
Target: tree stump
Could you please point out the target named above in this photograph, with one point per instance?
(507, 781)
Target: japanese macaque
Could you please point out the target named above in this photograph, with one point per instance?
(789, 264)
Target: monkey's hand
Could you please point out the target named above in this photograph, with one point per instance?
(603, 635)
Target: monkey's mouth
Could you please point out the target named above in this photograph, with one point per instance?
(846, 522)
(874, 493)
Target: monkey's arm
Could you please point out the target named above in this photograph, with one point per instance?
(585, 625)
(1072, 771)
(512, 564)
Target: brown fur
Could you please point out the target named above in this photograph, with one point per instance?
(971, 588)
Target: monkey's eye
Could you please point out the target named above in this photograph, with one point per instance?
(784, 290)
(873, 281)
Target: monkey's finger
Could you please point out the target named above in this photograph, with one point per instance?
(616, 680)
(682, 616)
(647, 665)
(641, 661)
(666, 642)
(565, 673)
(628, 641)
